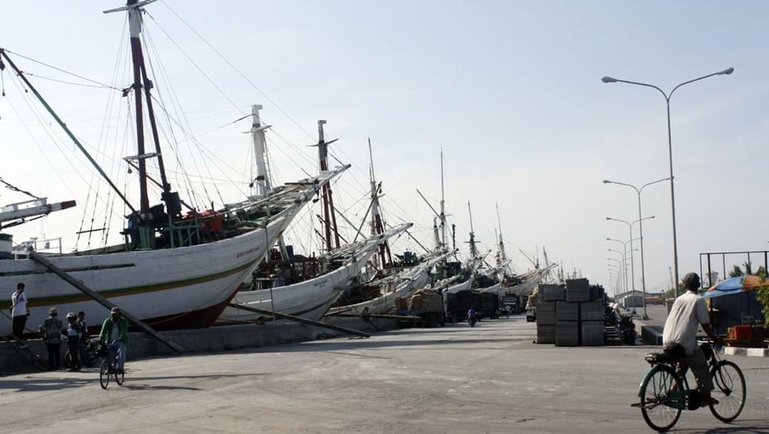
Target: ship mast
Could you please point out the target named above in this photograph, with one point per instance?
(443, 207)
(261, 184)
(439, 233)
(377, 224)
(146, 225)
(501, 245)
(473, 243)
(329, 215)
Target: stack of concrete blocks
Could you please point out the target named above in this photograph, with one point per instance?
(579, 317)
(591, 323)
(549, 295)
(567, 324)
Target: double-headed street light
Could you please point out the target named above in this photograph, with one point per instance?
(625, 250)
(623, 268)
(670, 150)
(640, 229)
(630, 229)
(615, 282)
(619, 268)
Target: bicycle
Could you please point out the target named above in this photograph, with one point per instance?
(664, 392)
(88, 358)
(108, 367)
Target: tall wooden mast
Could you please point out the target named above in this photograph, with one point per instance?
(377, 224)
(443, 207)
(329, 215)
(141, 88)
(501, 244)
(262, 184)
(473, 242)
(137, 57)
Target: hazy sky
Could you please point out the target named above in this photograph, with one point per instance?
(510, 90)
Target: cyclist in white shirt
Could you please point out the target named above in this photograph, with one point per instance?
(689, 311)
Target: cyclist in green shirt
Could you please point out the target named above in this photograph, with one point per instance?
(114, 333)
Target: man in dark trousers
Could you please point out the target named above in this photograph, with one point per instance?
(19, 310)
(114, 332)
(74, 333)
(52, 331)
(689, 311)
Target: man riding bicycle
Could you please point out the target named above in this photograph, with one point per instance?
(687, 314)
(114, 332)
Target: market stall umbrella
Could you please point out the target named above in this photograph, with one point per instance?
(737, 285)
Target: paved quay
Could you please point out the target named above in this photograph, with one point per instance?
(458, 379)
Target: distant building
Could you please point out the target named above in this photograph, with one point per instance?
(630, 299)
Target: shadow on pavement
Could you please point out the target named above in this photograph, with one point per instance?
(28, 384)
(742, 426)
(40, 384)
(359, 344)
(149, 387)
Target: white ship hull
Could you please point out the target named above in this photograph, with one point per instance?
(184, 287)
(467, 284)
(385, 303)
(310, 299)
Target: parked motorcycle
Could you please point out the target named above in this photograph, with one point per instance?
(627, 329)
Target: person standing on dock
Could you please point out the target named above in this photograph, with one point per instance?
(85, 338)
(114, 332)
(52, 331)
(19, 311)
(74, 332)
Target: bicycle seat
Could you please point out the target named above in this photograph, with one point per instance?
(668, 356)
(656, 358)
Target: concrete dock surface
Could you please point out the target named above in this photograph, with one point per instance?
(491, 378)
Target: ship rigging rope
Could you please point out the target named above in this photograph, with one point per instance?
(12, 187)
(96, 83)
(211, 81)
(114, 105)
(173, 41)
(237, 70)
(221, 56)
(218, 53)
(173, 143)
(45, 126)
(204, 151)
(101, 148)
(42, 77)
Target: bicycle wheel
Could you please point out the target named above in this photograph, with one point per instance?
(657, 406)
(104, 373)
(119, 377)
(729, 390)
(68, 360)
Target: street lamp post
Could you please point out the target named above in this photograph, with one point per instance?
(615, 279)
(640, 230)
(614, 268)
(670, 150)
(619, 266)
(624, 249)
(622, 255)
(632, 262)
